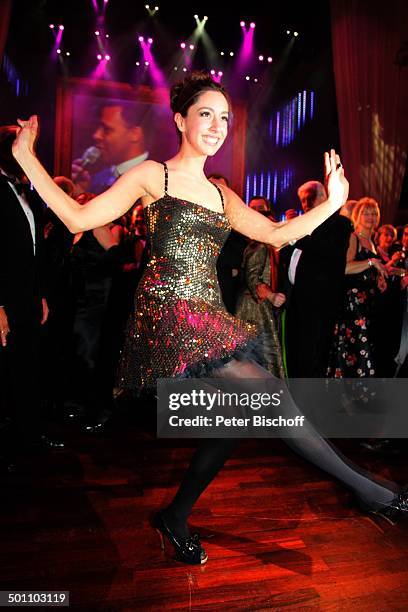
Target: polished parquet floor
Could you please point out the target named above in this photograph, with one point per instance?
(280, 534)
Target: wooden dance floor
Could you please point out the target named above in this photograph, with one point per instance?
(280, 534)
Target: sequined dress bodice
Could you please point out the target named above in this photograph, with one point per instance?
(180, 326)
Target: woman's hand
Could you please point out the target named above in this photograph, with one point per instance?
(26, 137)
(336, 183)
(381, 269)
(277, 299)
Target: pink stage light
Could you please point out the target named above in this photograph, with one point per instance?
(212, 72)
(59, 51)
(107, 57)
(242, 24)
(184, 69)
(192, 47)
(141, 39)
(97, 32)
(252, 25)
(52, 26)
(183, 45)
(99, 57)
(150, 41)
(147, 63)
(270, 60)
(61, 27)
(106, 35)
(247, 78)
(220, 73)
(261, 58)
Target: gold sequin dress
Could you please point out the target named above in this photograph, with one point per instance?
(179, 326)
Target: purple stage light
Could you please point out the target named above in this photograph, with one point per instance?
(150, 41)
(212, 72)
(61, 27)
(59, 51)
(252, 25)
(183, 45)
(247, 78)
(242, 24)
(106, 35)
(97, 32)
(255, 80)
(141, 39)
(99, 57)
(220, 73)
(107, 57)
(52, 26)
(147, 63)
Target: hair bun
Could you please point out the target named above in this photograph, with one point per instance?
(183, 92)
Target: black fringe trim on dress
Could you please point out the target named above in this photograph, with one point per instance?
(254, 350)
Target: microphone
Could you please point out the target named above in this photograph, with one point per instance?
(90, 156)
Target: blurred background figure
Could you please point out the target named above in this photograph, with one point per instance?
(259, 300)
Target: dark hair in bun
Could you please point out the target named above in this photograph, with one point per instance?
(186, 93)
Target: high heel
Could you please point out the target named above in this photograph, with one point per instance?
(188, 550)
(393, 512)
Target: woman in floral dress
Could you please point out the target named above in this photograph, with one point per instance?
(352, 355)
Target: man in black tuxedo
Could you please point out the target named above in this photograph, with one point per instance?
(316, 270)
(22, 306)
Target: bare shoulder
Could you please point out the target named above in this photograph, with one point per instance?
(149, 175)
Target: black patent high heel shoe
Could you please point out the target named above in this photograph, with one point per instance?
(393, 512)
(188, 550)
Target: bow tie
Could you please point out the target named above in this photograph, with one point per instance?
(21, 188)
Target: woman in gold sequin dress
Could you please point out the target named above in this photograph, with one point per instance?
(180, 326)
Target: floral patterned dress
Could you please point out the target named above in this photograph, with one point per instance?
(352, 353)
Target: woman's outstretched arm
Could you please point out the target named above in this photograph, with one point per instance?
(254, 225)
(101, 210)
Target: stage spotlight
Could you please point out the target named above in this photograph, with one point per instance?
(205, 18)
(156, 8)
(288, 32)
(175, 68)
(220, 73)
(261, 58)
(141, 39)
(255, 80)
(184, 69)
(147, 7)
(212, 72)
(195, 16)
(183, 45)
(106, 35)
(242, 24)
(150, 41)
(59, 51)
(67, 53)
(137, 63)
(252, 25)
(61, 27)
(247, 78)
(52, 26)
(147, 63)
(107, 57)
(270, 60)
(295, 33)
(97, 32)
(191, 47)
(231, 54)
(99, 57)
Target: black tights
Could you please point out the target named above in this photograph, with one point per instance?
(211, 455)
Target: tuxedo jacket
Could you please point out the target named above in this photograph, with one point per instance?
(21, 271)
